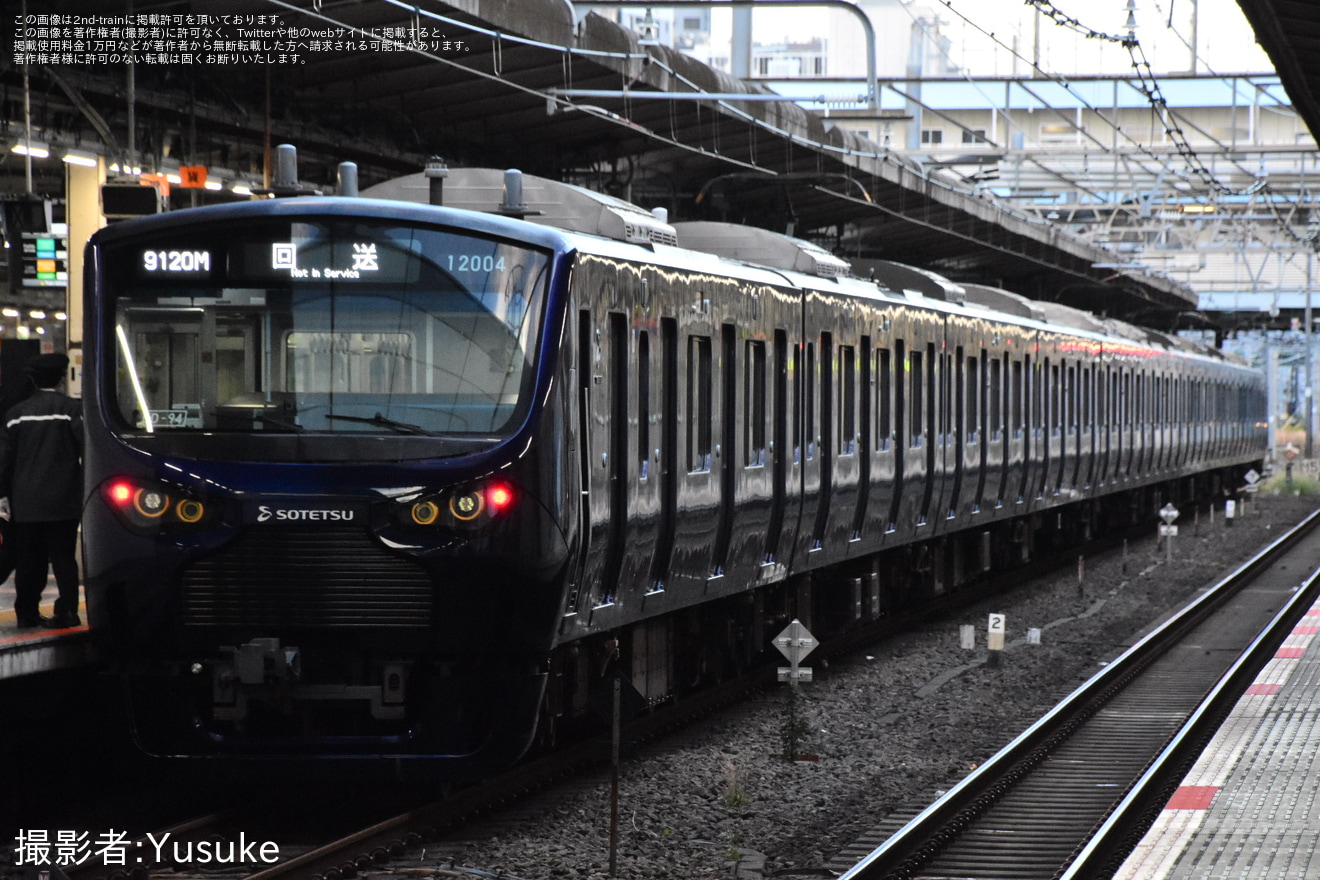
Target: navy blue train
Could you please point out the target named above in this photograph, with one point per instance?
(376, 478)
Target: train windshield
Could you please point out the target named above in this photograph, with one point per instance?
(325, 326)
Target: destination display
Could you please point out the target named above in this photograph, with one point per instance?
(355, 253)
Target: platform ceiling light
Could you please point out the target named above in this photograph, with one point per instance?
(10, 313)
(32, 148)
(61, 316)
(136, 169)
(37, 314)
(74, 157)
(214, 185)
(1198, 209)
(242, 189)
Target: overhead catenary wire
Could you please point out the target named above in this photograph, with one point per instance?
(1149, 86)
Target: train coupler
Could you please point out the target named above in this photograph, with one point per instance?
(265, 671)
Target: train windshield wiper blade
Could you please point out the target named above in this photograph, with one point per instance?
(278, 423)
(378, 419)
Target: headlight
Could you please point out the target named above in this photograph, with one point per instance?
(150, 507)
(461, 507)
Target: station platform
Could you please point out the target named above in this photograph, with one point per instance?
(30, 651)
(1250, 806)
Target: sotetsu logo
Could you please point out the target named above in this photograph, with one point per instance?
(298, 514)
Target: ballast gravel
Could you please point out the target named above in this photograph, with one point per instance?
(887, 729)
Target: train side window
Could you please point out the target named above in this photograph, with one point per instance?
(996, 423)
(644, 404)
(1101, 420)
(797, 402)
(1015, 400)
(1039, 394)
(1114, 412)
(1056, 399)
(1129, 413)
(1067, 396)
(918, 376)
(809, 421)
(1084, 414)
(699, 404)
(941, 395)
(974, 391)
(754, 405)
(884, 390)
(780, 439)
(864, 395)
(847, 399)
(827, 395)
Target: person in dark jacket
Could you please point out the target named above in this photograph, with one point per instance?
(41, 454)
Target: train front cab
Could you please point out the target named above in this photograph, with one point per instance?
(310, 550)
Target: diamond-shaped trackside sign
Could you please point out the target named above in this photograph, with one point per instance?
(795, 642)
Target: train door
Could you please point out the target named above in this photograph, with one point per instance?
(619, 509)
(884, 413)
(964, 408)
(806, 445)
(781, 457)
(1084, 475)
(1124, 407)
(916, 404)
(1102, 425)
(750, 451)
(837, 517)
(994, 444)
(1060, 388)
(645, 451)
(602, 352)
(1017, 372)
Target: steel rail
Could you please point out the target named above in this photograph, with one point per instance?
(925, 836)
(1125, 827)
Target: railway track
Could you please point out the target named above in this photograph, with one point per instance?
(1067, 798)
(392, 834)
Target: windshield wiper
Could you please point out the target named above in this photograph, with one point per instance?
(279, 423)
(378, 419)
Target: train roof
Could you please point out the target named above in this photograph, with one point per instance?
(536, 199)
(611, 227)
(751, 244)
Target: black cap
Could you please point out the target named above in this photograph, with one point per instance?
(47, 370)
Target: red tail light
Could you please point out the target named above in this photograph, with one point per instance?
(499, 497)
(121, 493)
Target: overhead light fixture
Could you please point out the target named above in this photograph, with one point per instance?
(73, 157)
(61, 316)
(37, 314)
(33, 149)
(242, 189)
(1198, 209)
(9, 313)
(214, 185)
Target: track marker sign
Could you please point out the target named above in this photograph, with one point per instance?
(795, 643)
